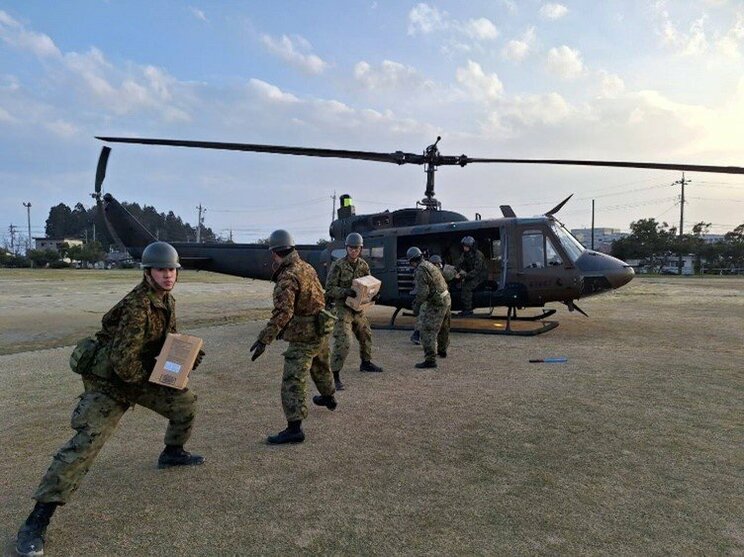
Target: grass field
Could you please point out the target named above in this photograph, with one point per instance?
(633, 447)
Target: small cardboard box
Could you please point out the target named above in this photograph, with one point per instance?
(176, 360)
(366, 289)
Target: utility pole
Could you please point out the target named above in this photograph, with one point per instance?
(592, 224)
(333, 208)
(199, 221)
(12, 229)
(28, 215)
(682, 183)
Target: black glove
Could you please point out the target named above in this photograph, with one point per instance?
(199, 358)
(350, 293)
(257, 349)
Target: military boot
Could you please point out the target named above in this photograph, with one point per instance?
(337, 381)
(426, 364)
(416, 337)
(174, 455)
(293, 434)
(369, 366)
(329, 401)
(442, 353)
(30, 540)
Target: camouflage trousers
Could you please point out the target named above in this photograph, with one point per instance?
(434, 323)
(95, 418)
(299, 358)
(468, 286)
(350, 322)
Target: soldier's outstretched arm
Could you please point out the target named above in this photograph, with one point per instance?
(128, 343)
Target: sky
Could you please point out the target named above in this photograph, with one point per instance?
(656, 81)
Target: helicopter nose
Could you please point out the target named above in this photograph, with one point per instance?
(602, 272)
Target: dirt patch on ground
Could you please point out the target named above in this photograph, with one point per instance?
(631, 447)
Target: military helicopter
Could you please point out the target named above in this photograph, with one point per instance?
(531, 261)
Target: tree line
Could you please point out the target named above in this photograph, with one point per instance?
(656, 244)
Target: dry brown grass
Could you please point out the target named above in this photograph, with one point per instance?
(632, 447)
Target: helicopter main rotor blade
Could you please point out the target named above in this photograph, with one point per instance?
(620, 164)
(397, 158)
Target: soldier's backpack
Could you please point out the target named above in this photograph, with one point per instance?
(84, 355)
(325, 322)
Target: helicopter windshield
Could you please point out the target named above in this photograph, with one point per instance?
(572, 246)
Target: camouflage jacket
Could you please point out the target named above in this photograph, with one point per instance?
(340, 275)
(134, 330)
(473, 264)
(431, 287)
(298, 298)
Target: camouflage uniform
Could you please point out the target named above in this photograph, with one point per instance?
(432, 304)
(132, 334)
(298, 298)
(472, 264)
(342, 273)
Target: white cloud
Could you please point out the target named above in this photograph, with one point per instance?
(271, 92)
(480, 85)
(610, 85)
(694, 42)
(15, 34)
(424, 19)
(198, 14)
(553, 11)
(286, 49)
(517, 50)
(565, 62)
(729, 44)
(389, 76)
(481, 29)
(531, 110)
(62, 129)
(6, 117)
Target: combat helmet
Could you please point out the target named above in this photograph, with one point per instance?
(160, 255)
(280, 240)
(414, 254)
(435, 259)
(468, 241)
(354, 240)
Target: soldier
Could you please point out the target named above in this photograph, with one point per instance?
(448, 272)
(338, 288)
(300, 317)
(115, 379)
(433, 304)
(471, 269)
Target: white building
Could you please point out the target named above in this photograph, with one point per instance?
(55, 244)
(603, 237)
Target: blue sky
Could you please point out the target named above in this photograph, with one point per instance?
(618, 80)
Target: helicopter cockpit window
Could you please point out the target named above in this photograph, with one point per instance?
(553, 258)
(572, 246)
(375, 256)
(533, 249)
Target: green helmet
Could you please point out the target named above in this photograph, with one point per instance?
(354, 240)
(160, 255)
(468, 241)
(280, 239)
(414, 254)
(435, 259)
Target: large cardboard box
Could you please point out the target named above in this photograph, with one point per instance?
(176, 360)
(366, 289)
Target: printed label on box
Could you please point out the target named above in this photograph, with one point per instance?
(173, 367)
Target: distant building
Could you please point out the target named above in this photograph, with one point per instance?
(55, 244)
(603, 237)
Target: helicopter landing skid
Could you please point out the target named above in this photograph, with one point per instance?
(488, 324)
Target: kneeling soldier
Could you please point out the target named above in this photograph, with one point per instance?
(301, 318)
(433, 304)
(115, 370)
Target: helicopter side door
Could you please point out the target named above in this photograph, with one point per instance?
(541, 266)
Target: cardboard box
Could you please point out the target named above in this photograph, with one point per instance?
(366, 289)
(176, 360)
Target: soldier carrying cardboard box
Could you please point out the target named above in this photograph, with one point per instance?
(350, 321)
